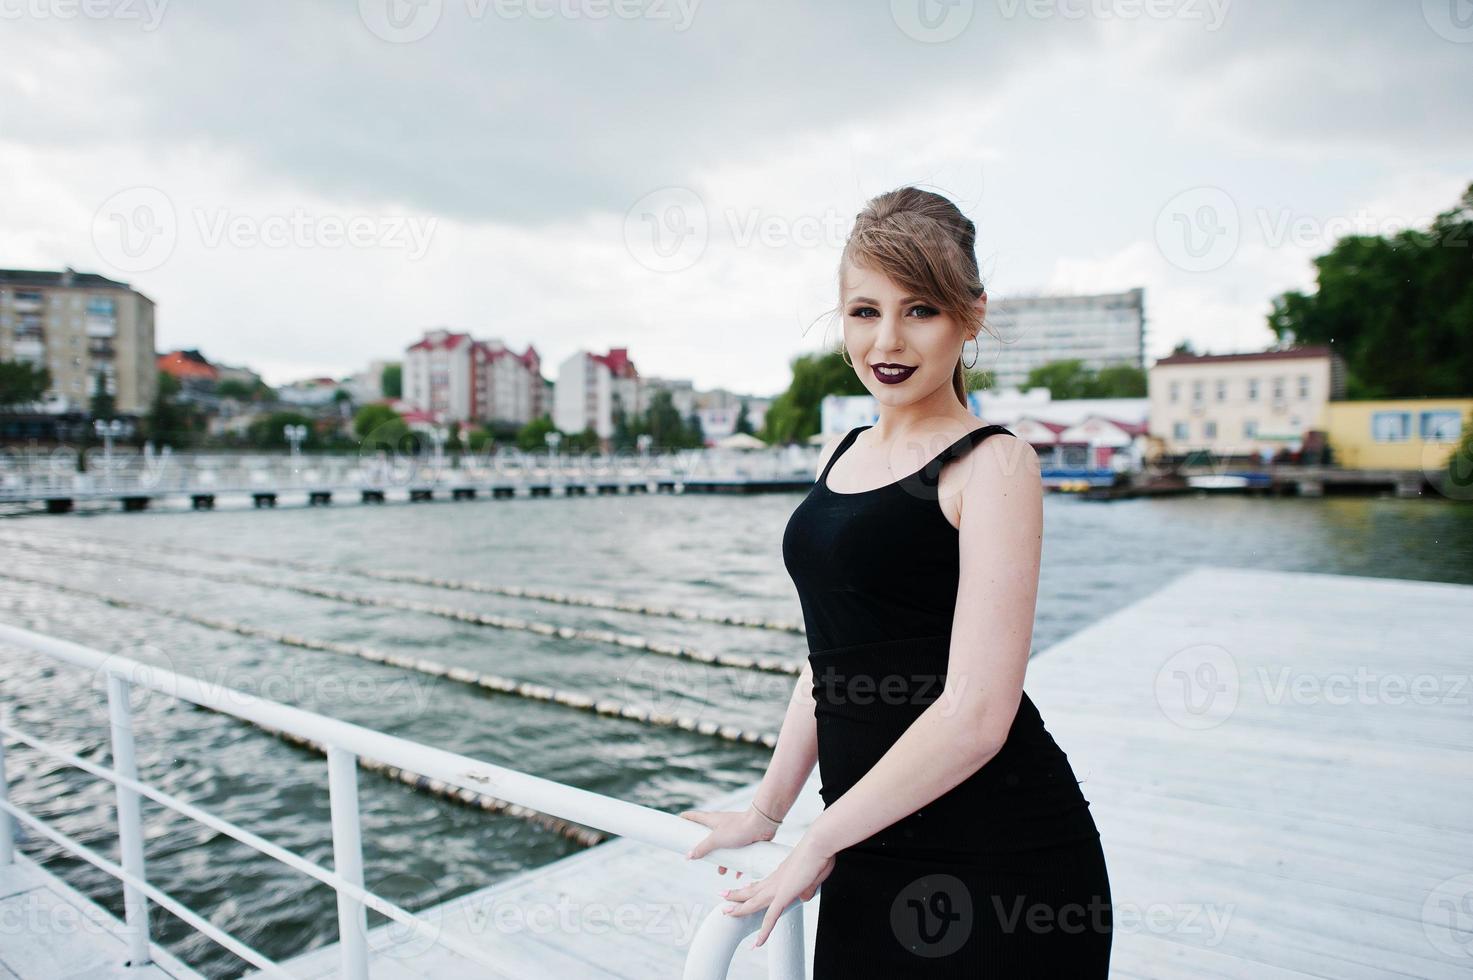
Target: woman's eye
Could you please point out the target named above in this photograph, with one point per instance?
(925, 311)
(861, 311)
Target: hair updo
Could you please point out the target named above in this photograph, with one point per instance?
(923, 243)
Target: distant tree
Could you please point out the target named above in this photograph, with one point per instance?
(532, 437)
(380, 428)
(237, 388)
(170, 422)
(695, 432)
(269, 432)
(1183, 347)
(743, 421)
(664, 423)
(392, 380)
(103, 405)
(1397, 308)
(22, 383)
(1072, 378)
(1459, 483)
(796, 414)
(1120, 381)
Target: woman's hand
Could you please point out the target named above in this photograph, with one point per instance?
(729, 828)
(798, 876)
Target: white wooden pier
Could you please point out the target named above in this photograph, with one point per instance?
(1279, 764)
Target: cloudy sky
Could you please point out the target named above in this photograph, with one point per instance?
(303, 186)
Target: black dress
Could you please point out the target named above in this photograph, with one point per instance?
(1003, 875)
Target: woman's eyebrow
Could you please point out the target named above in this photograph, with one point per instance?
(866, 299)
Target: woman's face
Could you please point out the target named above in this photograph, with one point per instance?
(884, 326)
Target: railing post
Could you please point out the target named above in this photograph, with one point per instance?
(7, 822)
(130, 819)
(715, 943)
(347, 858)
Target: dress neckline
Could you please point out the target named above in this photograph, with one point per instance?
(854, 434)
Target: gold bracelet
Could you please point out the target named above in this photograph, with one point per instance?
(775, 823)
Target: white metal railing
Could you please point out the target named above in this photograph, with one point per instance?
(128, 472)
(710, 952)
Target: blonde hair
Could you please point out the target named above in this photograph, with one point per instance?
(923, 243)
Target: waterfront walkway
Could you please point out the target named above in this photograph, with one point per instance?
(1278, 764)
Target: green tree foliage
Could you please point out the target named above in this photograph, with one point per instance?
(532, 437)
(269, 431)
(379, 427)
(392, 381)
(1073, 379)
(795, 414)
(1459, 483)
(170, 422)
(1398, 309)
(743, 421)
(237, 388)
(22, 383)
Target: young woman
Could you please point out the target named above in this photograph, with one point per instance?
(954, 841)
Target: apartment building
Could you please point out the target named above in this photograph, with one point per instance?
(81, 327)
(1241, 404)
(588, 387)
(1102, 330)
(455, 378)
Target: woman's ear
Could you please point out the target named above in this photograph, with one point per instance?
(980, 305)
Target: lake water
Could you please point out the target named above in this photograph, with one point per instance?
(716, 554)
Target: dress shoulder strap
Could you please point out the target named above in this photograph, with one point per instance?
(930, 474)
(844, 444)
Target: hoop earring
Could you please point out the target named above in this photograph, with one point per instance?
(844, 356)
(975, 352)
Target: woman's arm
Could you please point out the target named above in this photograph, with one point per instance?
(1001, 543)
(795, 753)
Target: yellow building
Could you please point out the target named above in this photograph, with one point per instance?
(1396, 434)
